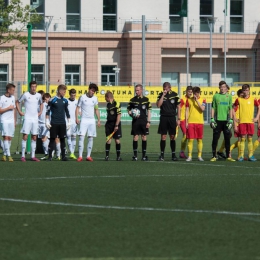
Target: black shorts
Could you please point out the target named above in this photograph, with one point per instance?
(167, 125)
(139, 127)
(58, 130)
(109, 128)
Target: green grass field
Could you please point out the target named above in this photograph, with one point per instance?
(130, 210)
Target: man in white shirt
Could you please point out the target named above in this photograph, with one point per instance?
(32, 100)
(88, 103)
(72, 132)
(8, 119)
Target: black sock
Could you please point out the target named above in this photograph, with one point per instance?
(144, 145)
(173, 145)
(162, 145)
(107, 149)
(62, 147)
(135, 146)
(118, 150)
(51, 146)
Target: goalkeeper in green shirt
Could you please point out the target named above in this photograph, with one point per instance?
(221, 119)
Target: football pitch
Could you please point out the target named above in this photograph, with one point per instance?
(114, 210)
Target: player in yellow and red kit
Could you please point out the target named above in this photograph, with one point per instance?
(183, 123)
(246, 121)
(195, 122)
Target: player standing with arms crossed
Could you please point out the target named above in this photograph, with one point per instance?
(33, 109)
(169, 103)
(8, 119)
(88, 103)
(57, 109)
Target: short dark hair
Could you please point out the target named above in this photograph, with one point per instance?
(32, 83)
(189, 88)
(221, 83)
(167, 84)
(62, 86)
(139, 85)
(239, 92)
(46, 95)
(72, 91)
(109, 94)
(245, 86)
(196, 89)
(93, 86)
(41, 92)
(9, 85)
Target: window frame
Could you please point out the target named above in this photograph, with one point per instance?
(38, 73)
(205, 17)
(73, 26)
(41, 23)
(237, 16)
(72, 74)
(106, 15)
(175, 16)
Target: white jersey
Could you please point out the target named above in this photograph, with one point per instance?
(72, 105)
(5, 102)
(87, 105)
(31, 104)
(42, 117)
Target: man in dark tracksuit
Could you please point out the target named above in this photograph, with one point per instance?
(57, 109)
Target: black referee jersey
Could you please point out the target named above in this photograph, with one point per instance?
(170, 102)
(113, 110)
(142, 103)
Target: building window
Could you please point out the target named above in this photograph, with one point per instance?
(199, 79)
(172, 77)
(39, 6)
(3, 77)
(231, 78)
(37, 73)
(73, 15)
(236, 16)
(108, 76)
(176, 22)
(72, 75)
(206, 13)
(109, 15)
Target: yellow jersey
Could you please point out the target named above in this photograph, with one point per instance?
(195, 112)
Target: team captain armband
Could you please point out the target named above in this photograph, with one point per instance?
(96, 106)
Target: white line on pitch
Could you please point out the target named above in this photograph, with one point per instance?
(133, 208)
(46, 214)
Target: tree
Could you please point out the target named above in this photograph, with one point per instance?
(14, 18)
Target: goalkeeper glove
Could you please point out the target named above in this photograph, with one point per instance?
(229, 124)
(68, 124)
(213, 123)
(47, 124)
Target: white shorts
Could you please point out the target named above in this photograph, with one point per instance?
(7, 129)
(43, 131)
(73, 130)
(30, 127)
(87, 126)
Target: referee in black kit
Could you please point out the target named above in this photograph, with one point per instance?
(57, 108)
(141, 124)
(169, 103)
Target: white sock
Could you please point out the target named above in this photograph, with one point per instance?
(6, 147)
(10, 142)
(58, 151)
(81, 145)
(23, 147)
(33, 148)
(69, 142)
(90, 145)
(73, 144)
(45, 146)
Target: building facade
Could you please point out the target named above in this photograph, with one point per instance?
(89, 39)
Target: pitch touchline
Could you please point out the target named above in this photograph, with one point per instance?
(133, 208)
(46, 214)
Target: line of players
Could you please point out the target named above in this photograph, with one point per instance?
(54, 119)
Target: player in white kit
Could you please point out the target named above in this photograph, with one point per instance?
(8, 120)
(32, 101)
(72, 132)
(88, 103)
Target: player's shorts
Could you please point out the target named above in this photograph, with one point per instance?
(258, 132)
(195, 131)
(43, 131)
(139, 127)
(183, 127)
(87, 126)
(109, 128)
(29, 127)
(167, 125)
(58, 131)
(7, 129)
(237, 134)
(73, 130)
(246, 128)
